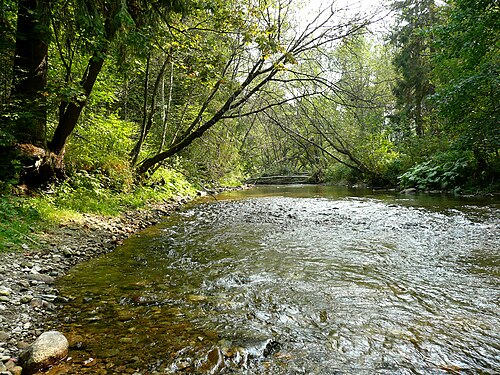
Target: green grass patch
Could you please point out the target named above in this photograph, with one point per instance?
(21, 218)
(19, 222)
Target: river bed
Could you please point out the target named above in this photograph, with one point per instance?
(295, 280)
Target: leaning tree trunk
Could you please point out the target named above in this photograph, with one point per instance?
(70, 111)
(147, 122)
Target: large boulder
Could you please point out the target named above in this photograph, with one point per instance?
(47, 350)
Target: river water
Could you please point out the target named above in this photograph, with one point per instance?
(295, 280)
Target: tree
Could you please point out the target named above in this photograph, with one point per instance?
(80, 30)
(346, 124)
(30, 71)
(8, 16)
(413, 49)
(259, 51)
(468, 69)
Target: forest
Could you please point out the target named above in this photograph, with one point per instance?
(112, 103)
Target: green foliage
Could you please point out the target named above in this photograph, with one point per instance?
(83, 192)
(411, 59)
(8, 12)
(216, 159)
(101, 146)
(10, 166)
(468, 71)
(413, 150)
(208, 48)
(444, 172)
(340, 174)
(95, 193)
(170, 181)
(396, 168)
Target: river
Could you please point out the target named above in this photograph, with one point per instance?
(295, 280)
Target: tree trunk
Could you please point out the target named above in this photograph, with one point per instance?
(166, 110)
(30, 72)
(71, 111)
(147, 122)
(28, 95)
(137, 148)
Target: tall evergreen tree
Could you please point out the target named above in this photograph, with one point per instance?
(412, 61)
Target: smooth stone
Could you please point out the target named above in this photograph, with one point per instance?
(26, 298)
(110, 353)
(36, 303)
(214, 362)
(48, 349)
(22, 345)
(41, 277)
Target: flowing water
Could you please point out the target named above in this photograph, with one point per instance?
(295, 280)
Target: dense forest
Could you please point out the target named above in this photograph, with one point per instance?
(100, 98)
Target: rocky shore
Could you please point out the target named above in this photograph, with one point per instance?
(28, 296)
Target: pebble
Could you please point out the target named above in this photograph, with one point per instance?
(28, 300)
(41, 277)
(4, 336)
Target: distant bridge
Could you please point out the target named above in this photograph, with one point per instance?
(282, 180)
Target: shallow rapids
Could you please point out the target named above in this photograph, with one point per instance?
(295, 280)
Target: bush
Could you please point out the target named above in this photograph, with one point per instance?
(93, 192)
(396, 168)
(443, 172)
(101, 147)
(341, 174)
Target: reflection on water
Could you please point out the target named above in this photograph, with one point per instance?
(295, 280)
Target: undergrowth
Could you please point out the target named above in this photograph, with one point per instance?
(21, 218)
(18, 223)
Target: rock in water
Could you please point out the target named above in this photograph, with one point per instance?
(214, 363)
(48, 349)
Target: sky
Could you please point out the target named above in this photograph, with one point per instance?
(349, 8)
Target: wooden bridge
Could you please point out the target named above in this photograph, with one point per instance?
(282, 180)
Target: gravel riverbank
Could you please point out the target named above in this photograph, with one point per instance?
(28, 297)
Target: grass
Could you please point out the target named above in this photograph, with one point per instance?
(21, 218)
(18, 222)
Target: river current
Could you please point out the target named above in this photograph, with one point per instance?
(295, 280)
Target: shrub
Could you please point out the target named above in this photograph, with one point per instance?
(440, 173)
(101, 147)
(341, 174)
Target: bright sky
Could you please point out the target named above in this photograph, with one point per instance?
(349, 8)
